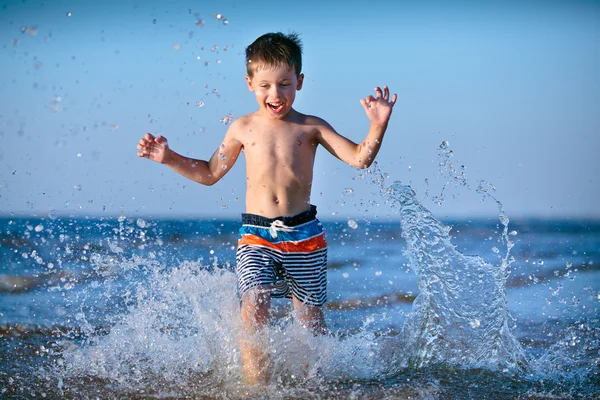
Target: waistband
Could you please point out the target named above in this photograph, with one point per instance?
(298, 219)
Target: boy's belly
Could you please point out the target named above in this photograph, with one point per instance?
(277, 203)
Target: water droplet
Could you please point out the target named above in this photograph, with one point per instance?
(345, 275)
(69, 14)
(140, 223)
(569, 264)
(348, 191)
(199, 104)
(39, 228)
(224, 167)
(495, 249)
(475, 323)
(222, 156)
(378, 273)
(78, 155)
(226, 119)
(122, 218)
(352, 224)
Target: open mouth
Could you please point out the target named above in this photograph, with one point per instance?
(276, 107)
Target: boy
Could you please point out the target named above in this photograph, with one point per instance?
(281, 249)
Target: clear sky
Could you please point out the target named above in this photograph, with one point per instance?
(513, 86)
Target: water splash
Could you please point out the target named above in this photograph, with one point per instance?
(449, 172)
(461, 315)
(177, 326)
(226, 119)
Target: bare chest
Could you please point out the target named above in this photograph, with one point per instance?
(278, 144)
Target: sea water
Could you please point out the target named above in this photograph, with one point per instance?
(418, 308)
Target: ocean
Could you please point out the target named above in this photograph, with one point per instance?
(131, 308)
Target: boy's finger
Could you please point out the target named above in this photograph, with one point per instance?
(394, 98)
(378, 91)
(160, 139)
(149, 136)
(365, 104)
(386, 92)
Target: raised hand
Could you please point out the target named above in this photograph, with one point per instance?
(153, 148)
(379, 108)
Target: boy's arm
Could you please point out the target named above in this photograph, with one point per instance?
(201, 171)
(378, 110)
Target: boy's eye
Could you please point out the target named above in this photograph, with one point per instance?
(285, 84)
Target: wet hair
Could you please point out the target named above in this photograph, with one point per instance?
(273, 50)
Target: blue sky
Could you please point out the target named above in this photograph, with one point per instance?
(512, 86)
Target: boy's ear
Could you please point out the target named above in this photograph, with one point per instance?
(249, 82)
(300, 81)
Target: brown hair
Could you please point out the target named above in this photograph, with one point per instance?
(274, 49)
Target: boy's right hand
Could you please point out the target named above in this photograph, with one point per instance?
(153, 148)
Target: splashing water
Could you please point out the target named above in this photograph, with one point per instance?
(177, 327)
(226, 119)
(460, 315)
(180, 326)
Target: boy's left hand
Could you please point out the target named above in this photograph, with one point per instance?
(379, 108)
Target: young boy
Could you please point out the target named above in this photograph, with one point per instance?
(282, 250)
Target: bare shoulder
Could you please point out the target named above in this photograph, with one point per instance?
(239, 125)
(241, 122)
(314, 121)
(319, 125)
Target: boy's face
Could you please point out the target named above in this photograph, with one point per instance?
(275, 89)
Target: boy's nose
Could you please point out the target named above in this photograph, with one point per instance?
(275, 92)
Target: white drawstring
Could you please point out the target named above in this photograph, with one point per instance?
(278, 225)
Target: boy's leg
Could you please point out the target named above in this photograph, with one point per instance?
(255, 315)
(310, 317)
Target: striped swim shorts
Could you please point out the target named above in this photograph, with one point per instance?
(286, 255)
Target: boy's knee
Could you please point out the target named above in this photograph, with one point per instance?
(257, 296)
(255, 307)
